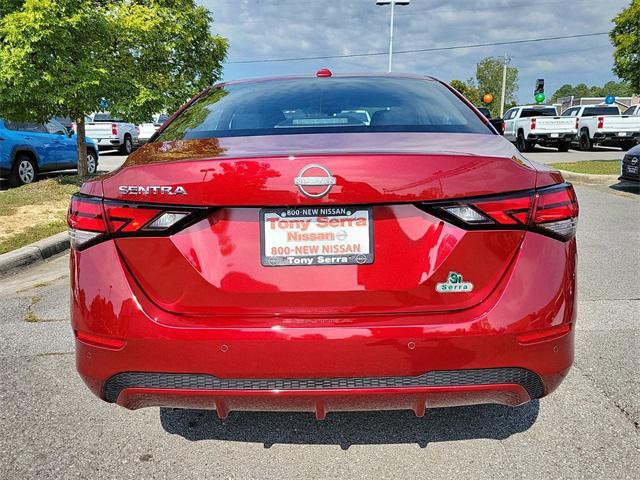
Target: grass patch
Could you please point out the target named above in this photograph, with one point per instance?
(31, 234)
(594, 167)
(35, 211)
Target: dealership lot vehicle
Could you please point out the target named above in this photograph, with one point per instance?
(27, 149)
(281, 264)
(529, 125)
(527, 441)
(111, 133)
(630, 165)
(146, 130)
(603, 125)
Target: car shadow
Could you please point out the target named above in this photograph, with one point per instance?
(353, 428)
(627, 186)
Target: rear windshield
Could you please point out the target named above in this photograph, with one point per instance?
(538, 112)
(325, 105)
(105, 117)
(592, 111)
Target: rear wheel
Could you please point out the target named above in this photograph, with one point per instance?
(628, 146)
(23, 171)
(585, 141)
(522, 144)
(563, 146)
(127, 146)
(92, 162)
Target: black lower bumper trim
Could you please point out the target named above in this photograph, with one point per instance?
(440, 378)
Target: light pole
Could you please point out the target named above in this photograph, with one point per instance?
(393, 3)
(506, 61)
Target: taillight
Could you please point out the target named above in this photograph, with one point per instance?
(114, 129)
(577, 124)
(552, 211)
(91, 219)
(533, 123)
(600, 122)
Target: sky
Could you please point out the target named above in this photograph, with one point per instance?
(277, 29)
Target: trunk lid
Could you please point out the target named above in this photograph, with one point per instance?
(214, 266)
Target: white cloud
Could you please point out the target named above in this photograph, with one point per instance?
(260, 29)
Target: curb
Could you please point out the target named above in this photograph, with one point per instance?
(37, 252)
(589, 178)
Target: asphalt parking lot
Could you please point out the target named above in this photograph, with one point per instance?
(589, 428)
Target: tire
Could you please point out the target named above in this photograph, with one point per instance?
(564, 146)
(23, 171)
(127, 146)
(92, 162)
(521, 144)
(628, 146)
(584, 141)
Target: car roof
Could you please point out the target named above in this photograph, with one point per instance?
(333, 75)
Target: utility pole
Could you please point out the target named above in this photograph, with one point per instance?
(393, 3)
(506, 61)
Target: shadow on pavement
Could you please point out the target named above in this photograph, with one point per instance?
(625, 186)
(353, 428)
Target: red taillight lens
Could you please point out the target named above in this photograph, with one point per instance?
(600, 122)
(556, 212)
(91, 219)
(114, 129)
(577, 123)
(552, 211)
(533, 123)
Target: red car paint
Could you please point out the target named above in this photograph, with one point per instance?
(198, 301)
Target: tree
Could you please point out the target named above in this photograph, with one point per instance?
(489, 78)
(66, 57)
(468, 89)
(625, 37)
(618, 89)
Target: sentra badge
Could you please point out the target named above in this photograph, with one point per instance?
(151, 190)
(454, 284)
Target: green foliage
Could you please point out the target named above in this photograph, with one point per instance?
(618, 89)
(625, 37)
(489, 78)
(61, 57)
(468, 89)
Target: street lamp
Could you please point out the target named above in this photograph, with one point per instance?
(393, 3)
(506, 61)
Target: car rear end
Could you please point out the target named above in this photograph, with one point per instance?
(270, 252)
(630, 166)
(547, 128)
(617, 130)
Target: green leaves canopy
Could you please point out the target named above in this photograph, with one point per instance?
(61, 57)
(625, 37)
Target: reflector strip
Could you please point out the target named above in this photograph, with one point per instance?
(545, 334)
(99, 341)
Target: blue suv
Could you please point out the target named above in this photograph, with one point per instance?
(27, 149)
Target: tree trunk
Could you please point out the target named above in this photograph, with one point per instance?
(82, 146)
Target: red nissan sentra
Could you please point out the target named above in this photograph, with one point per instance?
(324, 243)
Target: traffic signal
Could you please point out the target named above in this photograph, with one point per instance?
(538, 93)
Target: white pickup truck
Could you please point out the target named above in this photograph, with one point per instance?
(603, 125)
(111, 133)
(529, 125)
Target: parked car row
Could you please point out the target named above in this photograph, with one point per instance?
(584, 126)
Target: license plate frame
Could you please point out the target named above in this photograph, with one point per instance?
(298, 258)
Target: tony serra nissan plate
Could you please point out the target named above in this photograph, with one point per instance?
(316, 236)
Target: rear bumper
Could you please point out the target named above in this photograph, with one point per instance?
(615, 138)
(382, 362)
(548, 138)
